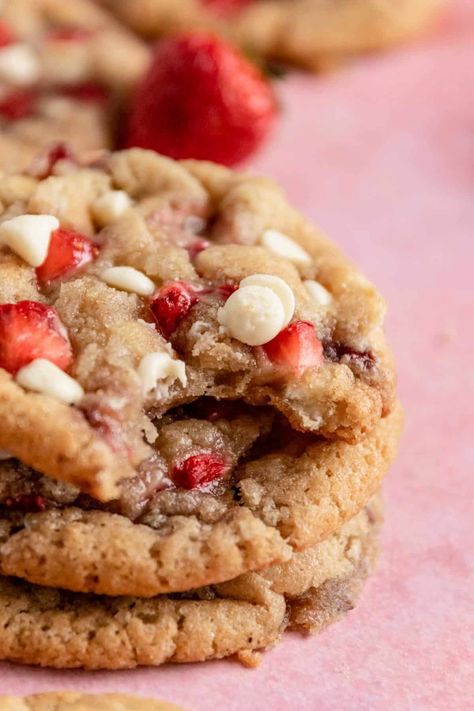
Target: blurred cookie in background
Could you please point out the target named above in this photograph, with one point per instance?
(65, 69)
(312, 34)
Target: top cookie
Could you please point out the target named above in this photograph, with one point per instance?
(309, 33)
(64, 70)
(155, 284)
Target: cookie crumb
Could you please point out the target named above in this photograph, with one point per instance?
(249, 659)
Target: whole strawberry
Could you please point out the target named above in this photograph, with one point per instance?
(201, 99)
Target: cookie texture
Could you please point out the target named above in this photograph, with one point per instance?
(309, 33)
(195, 231)
(285, 501)
(76, 701)
(74, 66)
(47, 627)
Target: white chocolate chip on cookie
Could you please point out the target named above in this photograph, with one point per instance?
(253, 315)
(279, 287)
(29, 236)
(45, 377)
(317, 292)
(110, 207)
(159, 367)
(128, 279)
(19, 65)
(285, 247)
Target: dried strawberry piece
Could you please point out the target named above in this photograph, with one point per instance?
(226, 290)
(207, 408)
(30, 503)
(44, 163)
(107, 423)
(6, 35)
(226, 7)
(198, 470)
(71, 34)
(336, 351)
(89, 92)
(17, 104)
(30, 330)
(297, 347)
(171, 304)
(197, 247)
(68, 251)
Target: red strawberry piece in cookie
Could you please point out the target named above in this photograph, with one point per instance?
(29, 503)
(106, 421)
(226, 7)
(201, 99)
(17, 104)
(171, 304)
(198, 470)
(197, 247)
(44, 163)
(214, 410)
(68, 251)
(30, 330)
(71, 34)
(6, 35)
(88, 92)
(224, 291)
(296, 348)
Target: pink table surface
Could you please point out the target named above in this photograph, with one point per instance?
(381, 156)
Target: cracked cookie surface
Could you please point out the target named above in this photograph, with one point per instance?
(51, 628)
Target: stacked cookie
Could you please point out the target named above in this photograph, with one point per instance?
(198, 408)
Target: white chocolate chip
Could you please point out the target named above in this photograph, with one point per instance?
(5, 455)
(317, 292)
(109, 207)
(159, 367)
(198, 329)
(19, 65)
(279, 287)
(128, 279)
(285, 247)
(45, 377)
(253, 315)
(29, 236)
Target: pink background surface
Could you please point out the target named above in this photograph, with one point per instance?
(381, 156)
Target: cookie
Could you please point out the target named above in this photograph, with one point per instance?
(174, 363)
(76, 701)
(308, 33)
(283, 501)
(64, 70)
(302, 338)
(47, 627)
